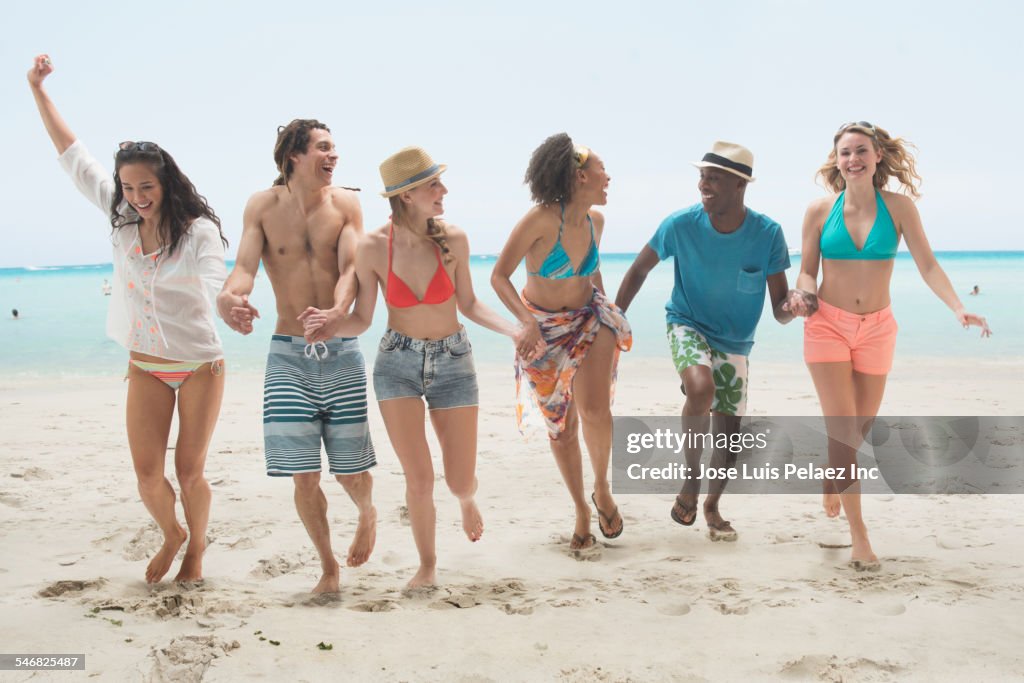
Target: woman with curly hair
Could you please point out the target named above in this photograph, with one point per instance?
(168, 267)
(564, 305)
(850, 332)
(424, 361)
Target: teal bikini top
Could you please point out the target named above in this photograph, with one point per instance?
(557, 265)
(880, 245)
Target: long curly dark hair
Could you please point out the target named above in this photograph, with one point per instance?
(551, 174)
(181, 205)
(292, 139)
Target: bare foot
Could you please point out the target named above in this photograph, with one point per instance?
(862, 551)
(330, 582)
(832, 504)
(718, 529)
(191, 569)
(472, 520)
(426, 576)
(164, 557)
(366, 537)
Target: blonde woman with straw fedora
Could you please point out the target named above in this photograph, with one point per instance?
(564, 305)
(424, 361)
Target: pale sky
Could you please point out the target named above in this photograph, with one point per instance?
(649, 86)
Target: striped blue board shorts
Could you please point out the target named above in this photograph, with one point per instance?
(315, 392)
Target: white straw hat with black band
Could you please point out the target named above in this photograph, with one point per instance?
(729, 156)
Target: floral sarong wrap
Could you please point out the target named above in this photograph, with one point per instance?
(569, 335)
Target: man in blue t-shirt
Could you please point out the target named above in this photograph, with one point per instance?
(726, 256)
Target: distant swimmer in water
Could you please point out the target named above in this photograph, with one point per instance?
(14, 313)
(976, 291)
(106, 288)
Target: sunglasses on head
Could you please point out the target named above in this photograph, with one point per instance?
(139, 146)
(580, 154)
(870, 127)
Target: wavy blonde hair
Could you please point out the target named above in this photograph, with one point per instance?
(897, 161)
(436, 229)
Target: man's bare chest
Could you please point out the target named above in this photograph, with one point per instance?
(288, 236)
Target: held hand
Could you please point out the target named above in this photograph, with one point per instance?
(538, 351)
(800, 303)
(312, 320)
(41, 68)
(320, 325)
(236, 311)
(530, 345)
(967, 319)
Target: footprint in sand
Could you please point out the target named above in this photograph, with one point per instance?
(187, 658)
(144, 544)
(36, 474)
(391, 559)
(456, 602)
(949, 543)
(732, 609)
(12, 500)
(889, 609)
(324, 600)
(420, 592)
(784, 537)
(674, 610)
(375, 606)
(831, 668)
(275, 566)
(239, 543)
(60, 588)
(591, 554)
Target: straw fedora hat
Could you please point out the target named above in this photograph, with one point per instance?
(729, 156)
(406, 169)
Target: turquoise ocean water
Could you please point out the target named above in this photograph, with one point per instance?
(63, 312)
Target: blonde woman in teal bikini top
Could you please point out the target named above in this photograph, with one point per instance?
(852, 237)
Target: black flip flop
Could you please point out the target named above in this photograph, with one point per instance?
(608, 519)
(686, 510)
(581, 541)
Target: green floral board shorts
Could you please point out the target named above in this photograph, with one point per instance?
(729, 370)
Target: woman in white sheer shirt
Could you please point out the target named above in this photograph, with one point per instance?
(168, 267)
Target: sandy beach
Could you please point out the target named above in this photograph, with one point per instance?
(660, 603)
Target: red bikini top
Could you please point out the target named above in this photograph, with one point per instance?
(398, 293)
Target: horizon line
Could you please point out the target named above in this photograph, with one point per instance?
(792, 252)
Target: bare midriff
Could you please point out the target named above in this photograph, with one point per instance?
(425, 321)
(856, 286)
(559, 295)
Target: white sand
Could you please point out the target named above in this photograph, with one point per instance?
(660, 603)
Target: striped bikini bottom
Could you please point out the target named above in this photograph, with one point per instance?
(173, 374)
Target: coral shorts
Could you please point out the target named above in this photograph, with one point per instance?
(868, 340)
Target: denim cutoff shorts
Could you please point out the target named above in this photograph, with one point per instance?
(440, 370)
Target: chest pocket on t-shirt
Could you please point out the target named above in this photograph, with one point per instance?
(750, 281)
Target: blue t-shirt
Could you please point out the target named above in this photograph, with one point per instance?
(721, 279)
